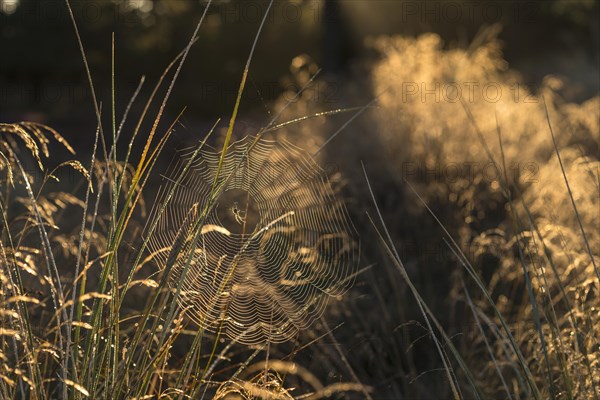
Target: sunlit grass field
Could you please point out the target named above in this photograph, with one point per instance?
(461, 216)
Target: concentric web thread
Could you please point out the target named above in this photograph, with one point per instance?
(259, 259)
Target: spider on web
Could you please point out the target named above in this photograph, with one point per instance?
(238, 214)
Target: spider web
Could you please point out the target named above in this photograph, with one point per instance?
(263, 257)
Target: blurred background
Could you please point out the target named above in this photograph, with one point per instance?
(42, 75)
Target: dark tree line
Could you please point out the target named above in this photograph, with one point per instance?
(41, 68)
